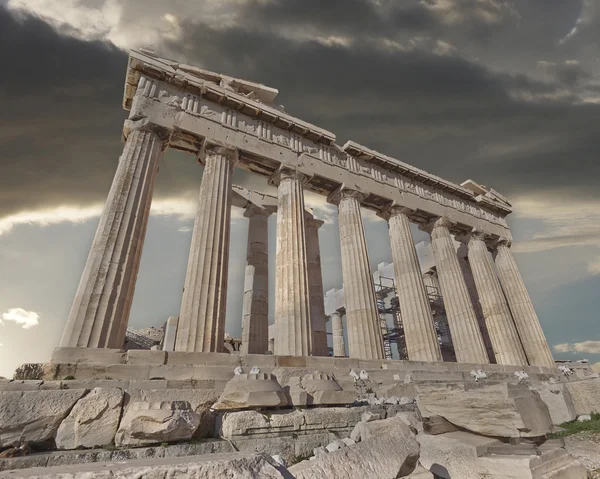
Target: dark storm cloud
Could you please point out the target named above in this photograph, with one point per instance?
(443, 113)
(413, 97)
(60, 116)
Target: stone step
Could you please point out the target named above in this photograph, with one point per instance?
(512, 449)
(212, 465)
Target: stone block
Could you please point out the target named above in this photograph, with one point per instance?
(175, 358)
(33, 416)
(88, 356)
(585, 394)
(93, 420)
(150, 423)
(113, 371)
(267, 361)
(251, 391)
(94, 383)
(199, 399)
(558, 400)
(320, 363)
(149, 384)
(21, 385)
(291, 361)
(344, 365)
(147, 357)
(182, 372)
(393, 452)
(323, 389)
(211, 466)
(243, 423)
(497, 410)
(333, 417)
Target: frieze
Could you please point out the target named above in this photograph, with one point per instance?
(230, 118)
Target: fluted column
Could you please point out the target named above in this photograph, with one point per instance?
(466, 337)
(315, 286)
(463, 260)
(503, 334)
(100, 310)
(255, 320)
(202, 317)
(526, 320)
(293, 335)
(362, 320)
(419, 331)
(337, 331)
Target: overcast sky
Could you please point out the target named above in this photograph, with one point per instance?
(504, 92)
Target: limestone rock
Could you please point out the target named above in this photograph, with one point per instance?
(93, 421)
(323, 389)
(500, 410)
(201, 401)
(584, 417)
(241, 423)
(465, 456)
(248, 391)
(210, 466)
(558, 399)
(585, 395)
(393, 452)
(296, 395)
(33, 416)
(149, 423)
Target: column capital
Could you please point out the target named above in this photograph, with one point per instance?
(284, 172)
(342, 193)
(143, 124)
(211, 148)
(441, 222)
(503, 241)
(311, 222)
(394, 209)
(254, 210)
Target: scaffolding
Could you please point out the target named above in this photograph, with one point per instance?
(388, 305)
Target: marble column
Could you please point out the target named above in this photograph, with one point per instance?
(100, 311)
(362, 319)
(202, 318)
(501, 327)
(463, 260)
(255, 320)
(526, 320)
(419, 330)
(293, 334)
(337, 330)
(315, 286)
(466, 337)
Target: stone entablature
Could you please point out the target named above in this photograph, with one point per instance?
(268, 139)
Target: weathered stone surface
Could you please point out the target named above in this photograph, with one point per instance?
(242, 423)
(558, 399)
(465, 456)
(251, 391)
(585, 447)
(391, 452)
(33, 416)
(455, 453)
(149, 423)
(585, 395)
(93, 421)
(492, 410)
(325, 390)
(212, 466)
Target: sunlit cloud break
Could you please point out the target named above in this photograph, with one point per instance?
(592, 347)
(21, 317)
(183, 209)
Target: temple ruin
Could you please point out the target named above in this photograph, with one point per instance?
(229, 123)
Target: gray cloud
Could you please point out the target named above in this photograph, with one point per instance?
(395, 89)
